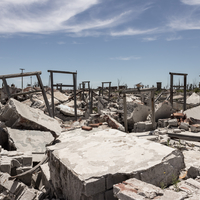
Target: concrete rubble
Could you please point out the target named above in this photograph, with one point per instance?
(93, 158)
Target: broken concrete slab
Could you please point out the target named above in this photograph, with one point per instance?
(104, 155)
(134, 189)
(60, 96)
(192, 162)
(193, 99)
(193, 112)
(15, 189)
(31, 140)
(163, 110)
(69, 111)
(19, 115)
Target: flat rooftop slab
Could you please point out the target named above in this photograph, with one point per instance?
(107, 157)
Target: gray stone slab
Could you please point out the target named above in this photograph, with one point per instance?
(18, 115)
(82, 156)
(193, 112)
(31, 140)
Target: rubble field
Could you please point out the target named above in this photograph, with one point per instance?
(96, 157)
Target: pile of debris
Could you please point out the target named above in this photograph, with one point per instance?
(93, 157)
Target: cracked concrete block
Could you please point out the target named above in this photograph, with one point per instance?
(45, 171)
(28, 195)
(134, 189)
(173, 122)
(163, 110)
(169, 195)
(184, 126)
(27, 161)
(177, 130)
(14, 187)
(5, 165)
(97, 154)
(94, 186)
(18, 115)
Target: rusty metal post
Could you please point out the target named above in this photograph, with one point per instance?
(52, 95)
(109, 91)
(171, 89)
(91, 101)
(83, 97)
(44, 95)
(153, 110)
(125, 113)
(185, 83)
(75, 104)
(102, 89)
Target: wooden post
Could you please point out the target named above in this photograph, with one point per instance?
(171, 89)
(153, 110)
(102, 89)
(185, 83)
(109, 91)
(52, 94)
(75, 104)
(125, 113)
(44, 95)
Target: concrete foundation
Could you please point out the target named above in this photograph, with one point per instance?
(86, 165)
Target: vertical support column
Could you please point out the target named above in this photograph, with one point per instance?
(109, 91)
(153, 110)
(6, 87)
(89, 89)
(75, 104)
(171, 89)
(102, 89)
(185, 84)
(91, 101)
(44, 95)
(52, 94)
(125, 113)
(83, 84)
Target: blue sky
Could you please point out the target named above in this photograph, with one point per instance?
(104, 40)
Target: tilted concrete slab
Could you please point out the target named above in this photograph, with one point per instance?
(193, 112)
(19, 115)
(69, 111)
(30, 140)
(86, 164)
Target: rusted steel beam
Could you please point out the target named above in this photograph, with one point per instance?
(178, 74)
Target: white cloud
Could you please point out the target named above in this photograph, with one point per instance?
(18, 17)
(149, 39)
(191, 2)
(174, 38)
(131, 31)
(126, 58)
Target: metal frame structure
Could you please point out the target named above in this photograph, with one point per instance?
(152, 90)
(83, 88)
(109, 88)
(55, 85)
(172, 86)
(37, 74)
